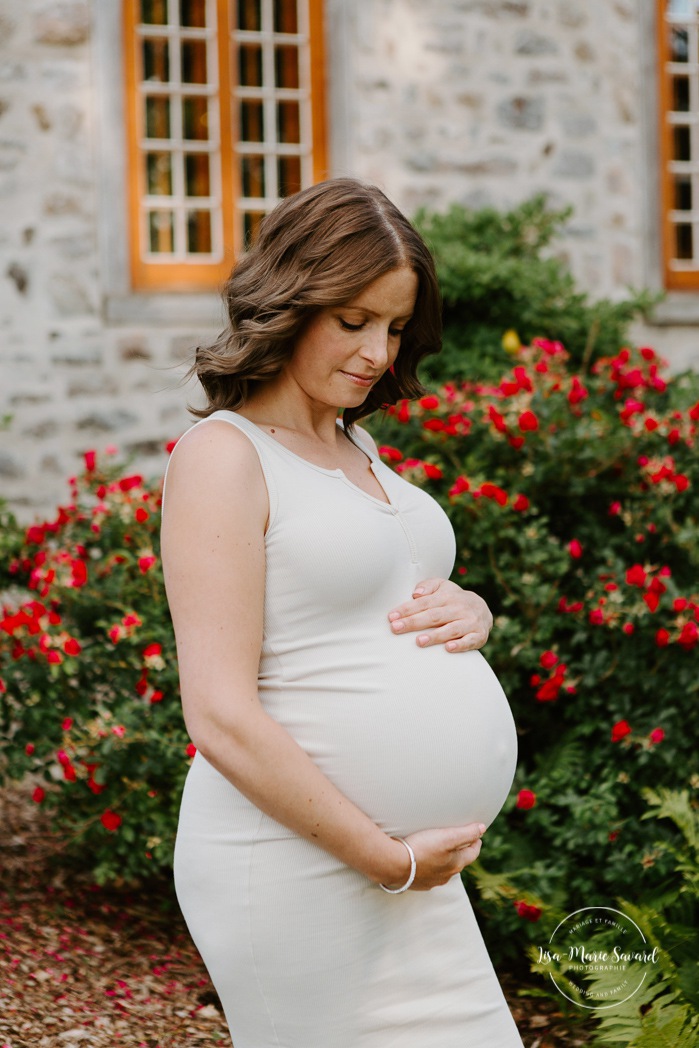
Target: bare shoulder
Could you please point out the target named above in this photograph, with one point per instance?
(366, 439)
(215, 467)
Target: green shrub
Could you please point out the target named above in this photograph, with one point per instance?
(89, 679)
(498, 272)
(664, 1010)
(575, 502)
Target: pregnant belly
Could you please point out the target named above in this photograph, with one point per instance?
(428, 741)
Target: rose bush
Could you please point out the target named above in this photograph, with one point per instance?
(574, 497)
(575, 500)
(90, 703)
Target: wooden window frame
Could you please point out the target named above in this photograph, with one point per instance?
(207, 275)
(673, 278)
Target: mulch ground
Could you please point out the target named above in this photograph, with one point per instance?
(87, 966)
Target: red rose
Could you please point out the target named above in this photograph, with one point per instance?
(460, 485)
(392, 454)
(635, 575)
(497, 419)
(90, 457)
(689, 636)
(575, 549)
(528, 422)
(152, 649)
(620, 730)
(141, 515)
(548, 659)
(191, 750)
(492, 491)
(430, 402)
(520, 504)
(67, 725)
(527, 911)
(72, 646)
(662, 638)
(432, 472)
(145, 564)
(657, 735)
(29, 749)
(525, 800)
(110, 820)
(628, 628)
(596, 617)
(652, 600)
(38, 795)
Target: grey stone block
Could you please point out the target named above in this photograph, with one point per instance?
(529, 42)
(521, 113)
(62, 22)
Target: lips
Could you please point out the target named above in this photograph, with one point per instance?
(360, 380)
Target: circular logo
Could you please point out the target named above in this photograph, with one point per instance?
(598, 957)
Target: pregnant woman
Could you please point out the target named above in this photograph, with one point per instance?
(352, 746)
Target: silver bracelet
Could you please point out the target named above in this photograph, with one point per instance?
(411, 875)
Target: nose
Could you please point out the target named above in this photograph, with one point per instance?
(375, 347)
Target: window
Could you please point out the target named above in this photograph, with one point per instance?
(678, 31)
(224, 116)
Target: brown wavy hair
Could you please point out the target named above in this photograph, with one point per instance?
(319, 248)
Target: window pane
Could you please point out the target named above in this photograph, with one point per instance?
(195, 118)
(285, 20)
(680, 8)
(286, 66)
(193, 13)
(288, 122)
(252, 125)
(250, 65)
(683, 193)
(154, 12)
(684, 241)
(161, 235)
(253, 176)
(196, 174)
(159, 174)
(199, 232)
(679, 45)
(157, 117)
(249, 15)
(156, 61)
(680, 94)
(251, 224)
(194, 62)
(289, 174)
(681, 143)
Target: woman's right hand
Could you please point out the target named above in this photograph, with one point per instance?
(441, 854)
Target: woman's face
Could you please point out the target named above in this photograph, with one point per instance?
(344, 350)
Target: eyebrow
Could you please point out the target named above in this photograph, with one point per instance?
(372, 312)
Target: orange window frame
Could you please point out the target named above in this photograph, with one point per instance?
(686, 279)
(152, 276)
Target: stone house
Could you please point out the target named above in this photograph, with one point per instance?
(141, 140)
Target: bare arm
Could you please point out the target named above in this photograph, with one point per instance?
(214, 561)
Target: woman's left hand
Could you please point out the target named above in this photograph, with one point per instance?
(443, 613)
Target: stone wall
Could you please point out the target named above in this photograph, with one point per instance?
(68, 380)
(476, 101)
(489, 101)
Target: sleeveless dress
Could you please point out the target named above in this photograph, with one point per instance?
(304, 951)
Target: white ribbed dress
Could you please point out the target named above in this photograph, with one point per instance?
(304, 951)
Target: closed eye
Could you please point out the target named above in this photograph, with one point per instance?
(346, 326)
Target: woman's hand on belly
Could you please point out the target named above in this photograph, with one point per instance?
(443, 613)
(441, 854)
